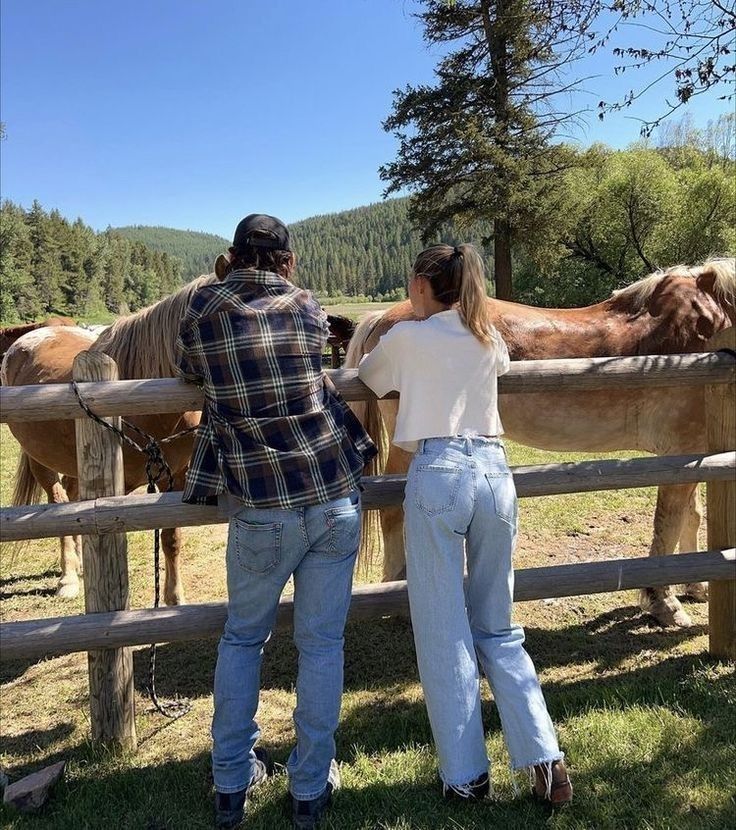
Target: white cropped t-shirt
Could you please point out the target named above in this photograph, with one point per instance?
(445, 377)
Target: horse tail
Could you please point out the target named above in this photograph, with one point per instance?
(369, 414)
(27, 490)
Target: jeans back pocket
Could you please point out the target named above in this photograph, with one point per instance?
(504, 496)
(257, 546)
(343, 528)
(436, 487)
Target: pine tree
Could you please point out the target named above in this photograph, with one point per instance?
(477, 144)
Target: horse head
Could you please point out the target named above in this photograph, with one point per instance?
(681, 308)
(341, 330)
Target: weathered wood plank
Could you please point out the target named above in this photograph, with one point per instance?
(143, 512)
(129, 397)
(720, 423)
(100, 465)
(62, 635)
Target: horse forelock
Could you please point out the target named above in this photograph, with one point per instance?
(143, 344)
(722, 269)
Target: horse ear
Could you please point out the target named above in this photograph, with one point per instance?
(706, 280)
(221, 264)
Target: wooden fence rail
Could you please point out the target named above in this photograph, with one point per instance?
(130, 397)
(119, 514)
(34, 639)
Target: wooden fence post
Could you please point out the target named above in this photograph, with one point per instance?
(720, 417)
(100, 469)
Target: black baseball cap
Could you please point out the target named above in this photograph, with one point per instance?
(261, 231)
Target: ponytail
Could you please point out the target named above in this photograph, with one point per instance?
(457, 276)
(473, 306)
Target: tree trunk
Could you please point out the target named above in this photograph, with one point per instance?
(502, 259)
(495, 25)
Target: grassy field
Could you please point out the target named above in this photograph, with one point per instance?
(645, 716)
(356, 310)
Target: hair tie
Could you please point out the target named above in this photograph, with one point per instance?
(456, 251)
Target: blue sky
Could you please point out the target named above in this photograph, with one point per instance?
(191, 114)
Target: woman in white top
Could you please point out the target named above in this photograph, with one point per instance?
(461, 503)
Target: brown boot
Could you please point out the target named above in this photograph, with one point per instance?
(552, 784)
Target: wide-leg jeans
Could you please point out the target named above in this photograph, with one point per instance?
(461, 501)
(318, 545)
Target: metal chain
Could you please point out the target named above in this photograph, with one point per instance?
(156, 467)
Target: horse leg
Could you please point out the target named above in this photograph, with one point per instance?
(392, 518)
(171, 544)
(697, 591)
(71, 485)
(68, 586)
(669, 517)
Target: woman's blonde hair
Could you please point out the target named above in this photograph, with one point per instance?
(458, 276)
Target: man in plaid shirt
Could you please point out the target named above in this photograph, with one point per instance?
(282, 444)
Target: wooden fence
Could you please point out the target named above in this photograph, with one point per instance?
(104, 514)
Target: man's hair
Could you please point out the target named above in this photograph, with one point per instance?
(263, 259)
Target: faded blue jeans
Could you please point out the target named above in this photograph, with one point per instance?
(318, 545)
(461, 501)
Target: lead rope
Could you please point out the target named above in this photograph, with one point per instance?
(156, 467)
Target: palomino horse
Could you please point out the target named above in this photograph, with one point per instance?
(669, 312)
(143, 346)
(9, 334)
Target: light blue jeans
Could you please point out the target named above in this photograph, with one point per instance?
(461, 501)
(318, 546)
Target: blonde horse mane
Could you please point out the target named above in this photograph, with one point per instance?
(143, 344)
(723, 270)
(369, 414)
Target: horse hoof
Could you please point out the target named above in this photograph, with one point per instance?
(667, 611)
(68, 591)
(697, 591)
(176, 599)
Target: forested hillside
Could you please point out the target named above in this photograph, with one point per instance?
(368, 250)
(195, 251)
(48, 264)
(365, 251)
(621, 214)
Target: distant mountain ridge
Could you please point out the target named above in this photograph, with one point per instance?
(366, 250)
(194, 249)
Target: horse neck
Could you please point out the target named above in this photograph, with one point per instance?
(538, 333)
(144, 344)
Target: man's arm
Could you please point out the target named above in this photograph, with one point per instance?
(185, 365)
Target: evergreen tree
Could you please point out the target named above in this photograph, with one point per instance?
(45, 270)
(18, 296)
(477, 144)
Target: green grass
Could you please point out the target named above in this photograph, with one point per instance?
(356, 310)
(645, 716)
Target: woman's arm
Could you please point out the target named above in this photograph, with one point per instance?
(377, 371)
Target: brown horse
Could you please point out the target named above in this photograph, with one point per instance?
(142, 345)
(669, 312)
(9, 334)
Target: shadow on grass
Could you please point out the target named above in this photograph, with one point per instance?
(616, 792)
(37, 741)
(32, 592)
(13, 580)
(606, 639)
(382, 653)
(375, 655)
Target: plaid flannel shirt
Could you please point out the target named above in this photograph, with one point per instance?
(274, 431)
